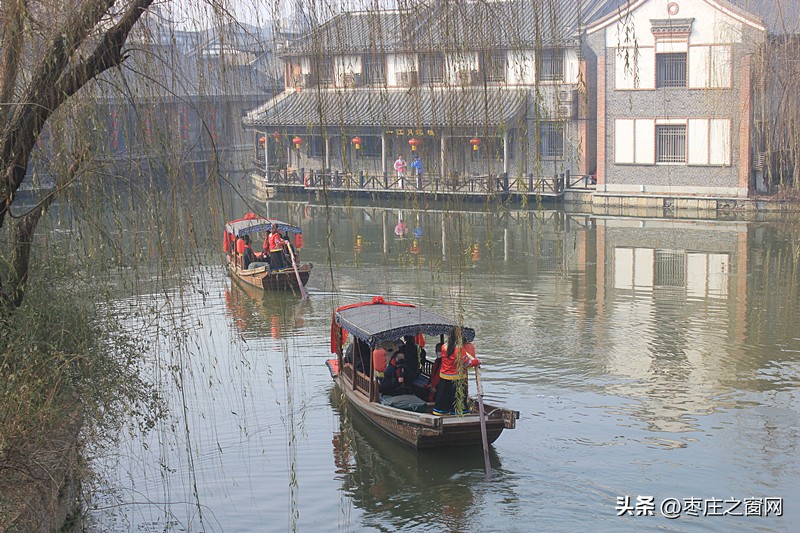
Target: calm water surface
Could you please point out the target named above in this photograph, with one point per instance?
(647, 358)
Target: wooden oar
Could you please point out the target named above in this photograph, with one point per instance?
(303, 293)
(482, 413)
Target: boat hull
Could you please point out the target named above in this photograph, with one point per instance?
(265, 279)
(426, 430)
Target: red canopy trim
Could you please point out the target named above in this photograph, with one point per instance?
(337, 329)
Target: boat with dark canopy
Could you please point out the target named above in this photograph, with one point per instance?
(379, 322)
(262, 276)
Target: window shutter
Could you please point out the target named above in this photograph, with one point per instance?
(698, 141)
(634, 71)
(646, 141)
(720, 66)
(720, 142)
(623, 141)
(698, 66)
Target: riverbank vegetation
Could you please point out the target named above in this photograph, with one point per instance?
(69, 376)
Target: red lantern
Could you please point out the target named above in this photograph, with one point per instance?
(276, 136)
(297, 141)
(475, 142)
(414, 142)
(357, 142)
(262, 140)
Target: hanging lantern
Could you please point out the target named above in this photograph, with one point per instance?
(357, 142)
(414, 142)
(476, 252)
(297, 141)
(415, 247)
(262, 140)
(475, 142)
(276, 136)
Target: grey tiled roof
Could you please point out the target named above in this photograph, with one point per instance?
(781, 17)
(468, 24)
(418, 107)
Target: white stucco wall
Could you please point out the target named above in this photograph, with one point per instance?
(714, 30)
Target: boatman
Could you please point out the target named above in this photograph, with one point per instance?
(276, 244)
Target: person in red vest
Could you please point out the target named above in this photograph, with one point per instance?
(276, 244)
(239, 251)
(451, 391)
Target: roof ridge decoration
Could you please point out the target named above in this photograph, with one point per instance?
(666, 28)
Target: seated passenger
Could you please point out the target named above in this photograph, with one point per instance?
(397, 378)
(414, 354)
(247, 256)
(437, 365)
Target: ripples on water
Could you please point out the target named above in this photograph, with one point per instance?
(631, 378)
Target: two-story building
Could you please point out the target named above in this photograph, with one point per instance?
(473, 88)
(674, 96)
(648, 97)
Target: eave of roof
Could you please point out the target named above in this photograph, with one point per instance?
(412, 107)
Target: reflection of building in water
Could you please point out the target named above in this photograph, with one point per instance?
(676, 272)
(659, 281)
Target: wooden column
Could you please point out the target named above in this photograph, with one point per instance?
(505, 152)
(442, 156)
(327, 166)
(383, 151)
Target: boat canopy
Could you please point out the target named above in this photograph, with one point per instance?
(379, 320)
(245, 226)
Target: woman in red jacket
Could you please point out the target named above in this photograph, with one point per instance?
(451, 392)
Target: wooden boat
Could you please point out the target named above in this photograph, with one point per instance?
(263, 277)
(379, 321)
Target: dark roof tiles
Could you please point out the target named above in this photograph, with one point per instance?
(418, 107)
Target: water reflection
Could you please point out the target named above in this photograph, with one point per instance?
(398, 487)
(646, 356)
(256, 312)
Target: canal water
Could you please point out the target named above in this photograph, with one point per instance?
(654, 362)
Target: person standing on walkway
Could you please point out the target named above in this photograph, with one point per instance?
(400, 167)
(416, 166)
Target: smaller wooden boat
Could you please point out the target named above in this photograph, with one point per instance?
(262, 276)
(377, 322)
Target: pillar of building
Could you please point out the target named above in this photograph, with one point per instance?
(601, 120)
(744, 124)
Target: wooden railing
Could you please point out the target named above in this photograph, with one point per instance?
(454, 183)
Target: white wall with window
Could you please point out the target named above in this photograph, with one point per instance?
(344, 68)
(522, 67)
(398, 65)
(698, 59)
(648, 141)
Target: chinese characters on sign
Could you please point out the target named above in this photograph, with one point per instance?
(675, 507)
(403, 132)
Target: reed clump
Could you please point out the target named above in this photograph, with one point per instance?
(68, 378)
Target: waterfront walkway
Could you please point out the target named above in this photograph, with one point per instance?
(389, 185)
